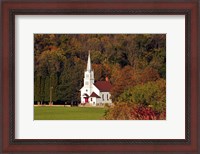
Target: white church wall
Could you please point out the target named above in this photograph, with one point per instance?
(98, 100)
(83, 91)
(94, 88)
(93, 101)
(105, 97)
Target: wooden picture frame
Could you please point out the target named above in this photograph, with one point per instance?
(11, 8)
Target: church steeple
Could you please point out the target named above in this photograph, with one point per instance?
(88, 77)
(89, 66)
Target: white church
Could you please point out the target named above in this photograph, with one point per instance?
(97, 93)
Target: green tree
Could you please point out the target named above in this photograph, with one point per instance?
(37, 84)
(47, 89)
(54, 85)
(42, 89)
(151, 94)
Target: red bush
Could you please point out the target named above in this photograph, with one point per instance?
(124, 111)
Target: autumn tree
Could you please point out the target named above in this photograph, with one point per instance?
(127, 59)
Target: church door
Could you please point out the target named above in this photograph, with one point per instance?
(86, 100)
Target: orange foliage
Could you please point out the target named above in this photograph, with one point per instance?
(146, 75)
(123, 80)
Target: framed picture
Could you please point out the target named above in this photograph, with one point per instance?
(100, 76)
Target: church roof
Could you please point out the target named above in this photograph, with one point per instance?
(103, 86)
(94, 95)
(86, 95)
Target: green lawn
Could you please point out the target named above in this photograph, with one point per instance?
(68, 113)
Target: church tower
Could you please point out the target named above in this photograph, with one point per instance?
(88, 77)
(97, 93)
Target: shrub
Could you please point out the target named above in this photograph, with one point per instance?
(125, 111)
(146, 113)
(120, 111)
(152, 94)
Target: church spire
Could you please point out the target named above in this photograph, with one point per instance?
(89, 66)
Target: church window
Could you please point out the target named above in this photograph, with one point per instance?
(86, 90)
(103, 97)
(107, 97)
(87, 76)
(91, 99)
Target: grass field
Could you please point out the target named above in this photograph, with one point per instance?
(68, 113)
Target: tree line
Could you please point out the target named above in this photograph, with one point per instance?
(134, 63)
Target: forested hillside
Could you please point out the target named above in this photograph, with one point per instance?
(134, 64)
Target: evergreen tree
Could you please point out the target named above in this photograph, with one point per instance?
(47, 89)
(37, 88)
(42, 89)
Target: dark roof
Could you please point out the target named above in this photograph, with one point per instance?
(94, 95)
(103, 86)
(85, 95)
